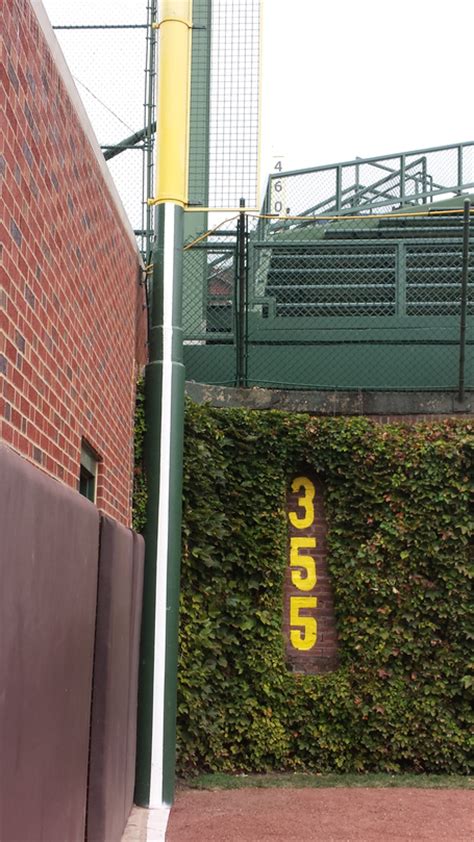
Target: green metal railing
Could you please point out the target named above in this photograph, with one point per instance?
(418, 177)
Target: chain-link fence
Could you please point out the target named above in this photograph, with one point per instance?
(210, 310)
(373, 302)
(351, 278)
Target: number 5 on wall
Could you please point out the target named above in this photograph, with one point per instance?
(307, 562)
(304, 637)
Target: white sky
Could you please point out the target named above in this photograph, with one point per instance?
(345, 79)
(339, 79)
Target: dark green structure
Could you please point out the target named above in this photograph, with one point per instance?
(362, 290)
(164, 398)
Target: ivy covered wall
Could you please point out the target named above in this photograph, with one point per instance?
(397, 505)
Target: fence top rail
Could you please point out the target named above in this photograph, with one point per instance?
(359, 219)
(373, 218)
(373, 160)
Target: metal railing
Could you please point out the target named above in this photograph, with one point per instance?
(418, 177)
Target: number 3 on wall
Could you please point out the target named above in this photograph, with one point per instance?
(304, 637)
(305, 502)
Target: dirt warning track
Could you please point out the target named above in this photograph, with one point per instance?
(322, 815)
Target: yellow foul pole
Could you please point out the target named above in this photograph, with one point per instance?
(174, 85)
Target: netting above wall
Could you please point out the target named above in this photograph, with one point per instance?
(234, 119)
(225, 102)
(108, 59)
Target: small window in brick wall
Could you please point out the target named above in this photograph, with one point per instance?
(88, 472)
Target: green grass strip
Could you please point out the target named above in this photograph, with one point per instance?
(300, 780)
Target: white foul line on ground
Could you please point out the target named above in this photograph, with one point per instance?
(146, 825)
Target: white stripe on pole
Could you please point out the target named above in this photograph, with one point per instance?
(157, 738)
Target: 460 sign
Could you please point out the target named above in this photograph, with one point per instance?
(309, 625)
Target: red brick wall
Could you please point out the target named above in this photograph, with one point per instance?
(73, 314)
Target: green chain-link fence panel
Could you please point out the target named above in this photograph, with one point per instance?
(358, 303)
(370, 302)
(209, 314)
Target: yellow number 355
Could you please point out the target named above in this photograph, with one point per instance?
(303, 628)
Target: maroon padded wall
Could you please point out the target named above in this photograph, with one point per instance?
(114, 701)
(134, 660)
(49, 539)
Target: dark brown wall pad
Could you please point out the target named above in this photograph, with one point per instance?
(48, 567)
(134, 658)
(119, 596)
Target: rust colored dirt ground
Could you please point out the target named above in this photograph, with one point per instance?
(322, 815)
